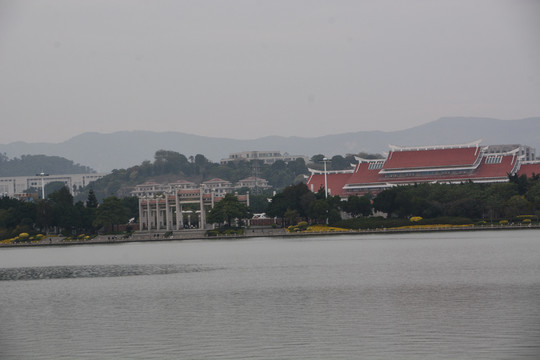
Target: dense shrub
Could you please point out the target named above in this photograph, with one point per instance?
(371, 223)
(379, 222)
(302, 225)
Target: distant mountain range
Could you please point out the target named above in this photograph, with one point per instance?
(104, 152)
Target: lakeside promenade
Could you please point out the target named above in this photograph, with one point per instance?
(182, 235)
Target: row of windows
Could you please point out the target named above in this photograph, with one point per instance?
(375, 165)
(428, 173)
(493, 159)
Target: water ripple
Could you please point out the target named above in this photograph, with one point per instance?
(94, 271)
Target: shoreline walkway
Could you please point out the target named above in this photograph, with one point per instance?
(182, 235)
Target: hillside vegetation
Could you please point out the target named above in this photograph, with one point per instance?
(129, 148)
(170, 166)
(29, 165)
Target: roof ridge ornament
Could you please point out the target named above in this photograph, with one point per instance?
(359, 159)
(475, 143)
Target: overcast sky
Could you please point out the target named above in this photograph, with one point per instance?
(246, 69)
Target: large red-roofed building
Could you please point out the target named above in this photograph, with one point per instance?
(433, 164)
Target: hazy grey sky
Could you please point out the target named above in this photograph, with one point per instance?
(246, 69)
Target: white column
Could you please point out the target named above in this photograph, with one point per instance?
(158, 222)
(140, 215)
(178, 211)
(167, 213)
(202, 221)
(148, 223)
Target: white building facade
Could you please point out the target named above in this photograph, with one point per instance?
(14, 186)
(268, 157)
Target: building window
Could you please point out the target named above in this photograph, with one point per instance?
(375, 165)
(493, 159)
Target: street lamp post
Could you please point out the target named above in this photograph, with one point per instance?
(325, 160)
(42, 175)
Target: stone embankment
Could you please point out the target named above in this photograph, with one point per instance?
(146, 236)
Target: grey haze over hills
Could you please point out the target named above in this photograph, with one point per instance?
(104, 152)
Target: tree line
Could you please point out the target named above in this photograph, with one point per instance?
(466, 202)
(297, 203)
(492, 201)
(29, 165)
(58, 213)
(169, 166)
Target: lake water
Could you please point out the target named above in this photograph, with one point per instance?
(450, 295)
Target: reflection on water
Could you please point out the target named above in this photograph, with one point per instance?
(93, 271)
(456, 296)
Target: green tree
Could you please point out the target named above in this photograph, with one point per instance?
(64, 216)
(278, 206)
(258, 203)
(228, 209)
(91, 201)
(111, 212)
(386, 201)
(289, 198)
(170, 162)
(318, 211)
(202, 165)
(317, 158)
(334, 216)
(297, 166)
(517, 205)
(340, 163)
(44, 215)
(291, 216)
(357, 205)
(520, 181)
(365, 155)
(52, 187)
(533, 195)
(131, 203)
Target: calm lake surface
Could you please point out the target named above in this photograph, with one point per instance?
(450, 295)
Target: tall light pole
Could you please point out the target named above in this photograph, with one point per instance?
(42, 175)
(325, 160)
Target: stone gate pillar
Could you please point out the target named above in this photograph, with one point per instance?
(202, 222)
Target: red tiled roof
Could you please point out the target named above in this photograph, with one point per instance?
(214, 180)
(148, 183)
(529, 169)
(363, 175)
(431, 158)
(335, 182)
(189, 191)
(500, 170)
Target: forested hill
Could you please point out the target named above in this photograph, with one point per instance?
(129, 148)
(29, 165)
